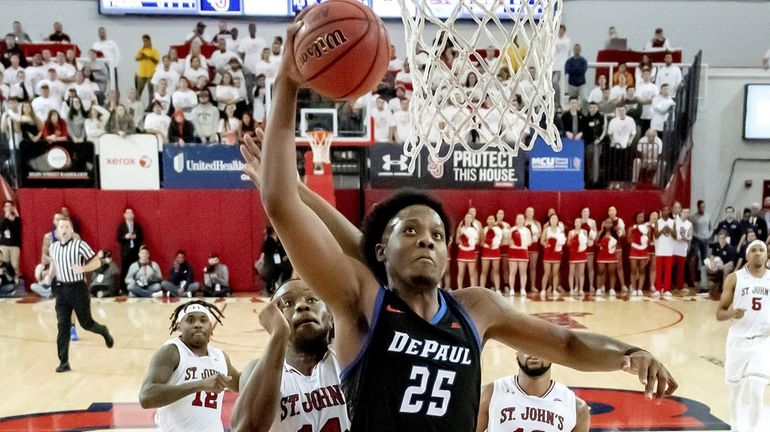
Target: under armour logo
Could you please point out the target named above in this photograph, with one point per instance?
(388, 163)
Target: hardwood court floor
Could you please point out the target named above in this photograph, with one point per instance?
(101, 391)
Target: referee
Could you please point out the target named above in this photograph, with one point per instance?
(70, 260)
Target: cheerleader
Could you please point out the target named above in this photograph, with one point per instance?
(490, 253)
(606, 257)
(518, 239)
(479, 228)
(506, 227)
(578, 244)
(467, 238)
(620, 230)
(552, 240)
(534, 248)
(589, 225)
(639, 237)
(653, 224)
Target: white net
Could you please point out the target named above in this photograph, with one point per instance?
(484, 86)
(321, 144)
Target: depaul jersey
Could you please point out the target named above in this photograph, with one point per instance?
(511, 409)
(201, 411)
(312, 403)
(413, 374)
(751, 294)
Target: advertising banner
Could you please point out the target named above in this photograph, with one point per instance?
(57, 165)
(129, 163)
(550, 170)
(389, 168)
(201, 166)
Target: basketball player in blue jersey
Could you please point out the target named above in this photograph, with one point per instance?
(187, 375)
(745, 302)
(295, 385)
(531, 401)
(410, 352)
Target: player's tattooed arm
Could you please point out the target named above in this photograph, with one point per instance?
(260, 395)
(496, 319)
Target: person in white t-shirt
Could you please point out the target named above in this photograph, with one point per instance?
(276, 50)
(221, 56)
(596, 94)
(404, 78)
(163, 96)
(403, 122)
(251, 48)
(661, 105)
(562, 52)
(9, 76)
(618, 91)
(684, 233)
(669, 74)
(177, 64)
(57, 88)
(184, 97)
(621, 130)
(665, 237)
(157, 123)
(196, 71)
(108, 48)
(45, 103)
(195, 51)
(84, 90)
(265, 65)
(647, 159)
(646, 91)
(166, 72)
(64, 70)
(658, 42)
(395, 103)
(384, 123)
(188, 375)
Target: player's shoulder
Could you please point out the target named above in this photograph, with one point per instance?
(168, 354)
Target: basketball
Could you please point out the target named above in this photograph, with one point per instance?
(342, 50)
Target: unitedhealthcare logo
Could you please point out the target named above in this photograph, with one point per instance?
(181, 164)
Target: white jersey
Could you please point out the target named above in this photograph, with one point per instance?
(201, 411)
(512, 409)
(751, 294)
(316, 400)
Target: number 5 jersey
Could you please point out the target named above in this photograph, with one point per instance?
(413, 374)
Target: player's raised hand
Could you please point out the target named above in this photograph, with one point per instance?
(252, 156)
(656, 379)
(273, 320)
(215, 383)
(288, 68)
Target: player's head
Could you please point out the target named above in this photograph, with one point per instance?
(756, 254)
(195, 320)
(532, 366)
(405, 239)
(309, 320)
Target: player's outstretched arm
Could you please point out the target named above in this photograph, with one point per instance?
(260, 390)
(348, 236)
(155, 393)
(583, 421)
(725, 310)
(346, 285)
(486, 398)
(589, 352)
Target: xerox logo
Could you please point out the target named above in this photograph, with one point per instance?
(143, 161)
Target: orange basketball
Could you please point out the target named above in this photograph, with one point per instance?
(342, 49)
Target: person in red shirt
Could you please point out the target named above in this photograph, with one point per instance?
(518, 239)
(552, 240)
(638, 255)
(607, 258)
(55, 128)
(578, 244)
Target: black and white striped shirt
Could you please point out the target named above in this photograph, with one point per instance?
(65, 255)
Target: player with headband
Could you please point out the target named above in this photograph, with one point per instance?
(745, 303)
(187, 375)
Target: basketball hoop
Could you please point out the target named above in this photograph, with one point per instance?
(448, 109)
(321, 143)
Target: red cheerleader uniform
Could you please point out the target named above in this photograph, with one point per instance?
(492, 239)
(503, 247)
(603, 255)
(591, 250)
(466, 248)
(550, 254)
(516, 252)
(636, 238)
(576, 256)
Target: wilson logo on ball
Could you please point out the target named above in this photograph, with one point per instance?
(322, 45)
